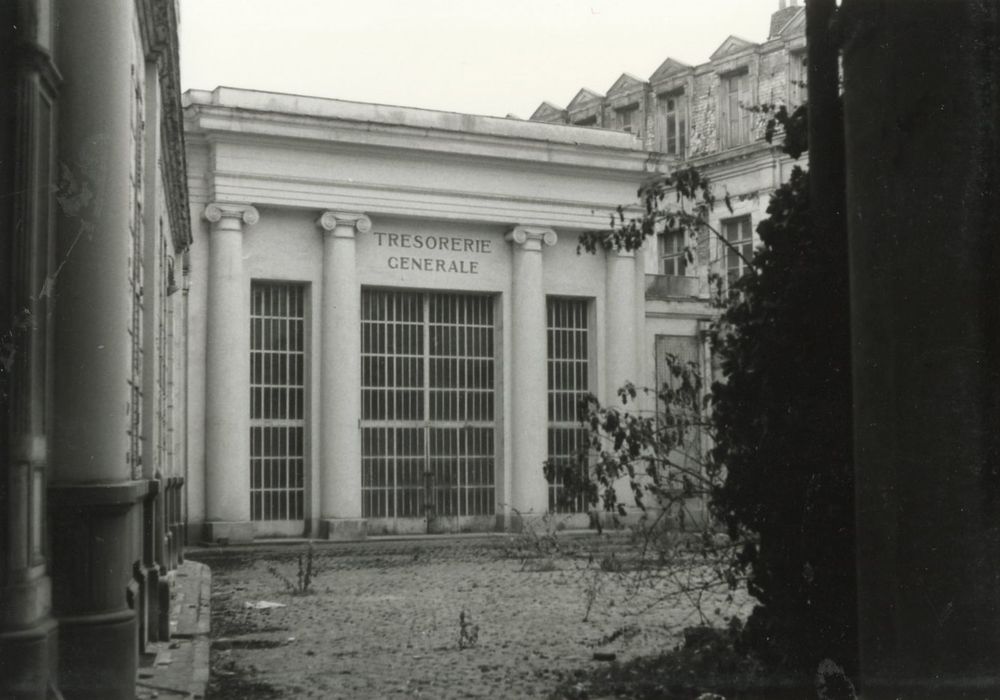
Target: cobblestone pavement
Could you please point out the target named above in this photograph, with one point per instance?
(383, 620)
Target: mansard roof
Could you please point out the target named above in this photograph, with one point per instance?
(731, 45)
(547, 111)
(584, 98)
(668, 68)
(789, 23)
(626, 83)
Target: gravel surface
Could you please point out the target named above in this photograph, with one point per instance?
(383, 617)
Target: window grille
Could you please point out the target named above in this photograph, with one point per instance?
(567, 331)
(428, 393)
(277, 401)
(740, 237)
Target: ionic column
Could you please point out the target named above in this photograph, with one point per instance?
(529, 489)
(340, 377)
(227, 377)
(620, 313)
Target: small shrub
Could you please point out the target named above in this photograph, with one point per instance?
(306, 571)
(468, 633)
(611, 564)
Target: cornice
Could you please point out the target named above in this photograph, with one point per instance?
(158, 24)
(410, 202)
(227, 125)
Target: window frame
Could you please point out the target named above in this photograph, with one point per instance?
(731, 100)
(632, 110)
(798, 75)
(674, 258)
(744, 245)
(678, 117)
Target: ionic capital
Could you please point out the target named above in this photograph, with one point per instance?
(532, 237)
(344, 224)
(231, 216)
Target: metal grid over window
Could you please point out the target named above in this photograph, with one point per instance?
(428, 393)
(277, 401)
(567, 331)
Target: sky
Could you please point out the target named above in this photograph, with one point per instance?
(493, 57)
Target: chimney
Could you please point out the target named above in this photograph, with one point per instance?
(781, 4)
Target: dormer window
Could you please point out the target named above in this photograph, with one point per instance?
(586, 121)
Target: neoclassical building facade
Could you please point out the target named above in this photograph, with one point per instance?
(390, 322)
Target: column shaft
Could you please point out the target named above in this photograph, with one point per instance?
(97, 377)
(529, 489)
(227, 372)
(340, 372)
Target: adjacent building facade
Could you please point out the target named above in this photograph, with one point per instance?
(699, 116)
(93, 242)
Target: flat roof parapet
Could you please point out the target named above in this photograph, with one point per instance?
(414, 117)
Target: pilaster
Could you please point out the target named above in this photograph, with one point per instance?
(227, 372)
(620, 313)
(529, 489)
(340, 377)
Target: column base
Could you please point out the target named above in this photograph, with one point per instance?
(222, 532)
(525, 522)
(163, 608)
(343, 529)
(147, 605)
(97, 585)
(98, 655)
(28, 661)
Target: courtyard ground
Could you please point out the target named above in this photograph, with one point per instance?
(383, 618)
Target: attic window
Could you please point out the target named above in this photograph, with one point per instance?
(627, 118)
(587, 121)
(734, 115)
(671, 122)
